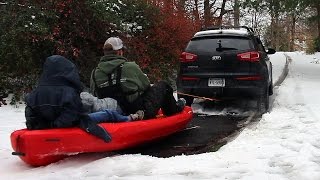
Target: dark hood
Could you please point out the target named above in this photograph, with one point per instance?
(58, 70)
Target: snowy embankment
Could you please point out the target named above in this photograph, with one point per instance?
(284, 144)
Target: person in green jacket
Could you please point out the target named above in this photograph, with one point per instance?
(118, 78)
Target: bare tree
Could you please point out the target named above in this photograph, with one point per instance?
(196, 11)
(223, 11)
(208, 15)
(236, 12)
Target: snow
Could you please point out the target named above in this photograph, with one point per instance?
(224, 31)
(284, 144)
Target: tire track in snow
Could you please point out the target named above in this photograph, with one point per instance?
(280, 80)
(285, 71)
(300, 119)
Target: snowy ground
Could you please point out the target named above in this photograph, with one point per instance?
(284, 144)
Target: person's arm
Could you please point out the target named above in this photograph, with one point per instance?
(72, 108)
(30, 118)
(92, 84)
(105, 103)
(73, 115)
(136, 81)
(144, 82)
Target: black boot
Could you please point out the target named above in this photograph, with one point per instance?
(92, 128)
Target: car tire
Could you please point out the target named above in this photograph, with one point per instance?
(263, 101)
(271, 85)
(271, 89)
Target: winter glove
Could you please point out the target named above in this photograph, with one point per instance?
(92, 128)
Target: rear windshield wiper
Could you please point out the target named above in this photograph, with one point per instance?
(220, 48)
(225, 48)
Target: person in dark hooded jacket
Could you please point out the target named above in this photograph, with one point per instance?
(55, 103)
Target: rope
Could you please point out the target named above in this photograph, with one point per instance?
(200, 97)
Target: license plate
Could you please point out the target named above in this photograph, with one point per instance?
(216, 82)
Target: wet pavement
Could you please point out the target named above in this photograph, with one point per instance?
(204, 133)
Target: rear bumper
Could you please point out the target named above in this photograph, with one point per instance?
(225, 93)
(234, 88)
(242, 89)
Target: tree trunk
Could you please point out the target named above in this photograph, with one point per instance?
(277, 36)
(272, 33)
(293, 31)
(223, 11)
(181, 5)
(236, 11)
(207, 14)
(318, 22)
(196, 12)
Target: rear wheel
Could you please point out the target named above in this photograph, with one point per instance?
(263, 101)
(271, 84)
(271, 89)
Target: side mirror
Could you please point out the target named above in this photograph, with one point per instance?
(271, 51)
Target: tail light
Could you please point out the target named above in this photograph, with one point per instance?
(249, 78)
(252, 56)
(185, 78)
(188, 57)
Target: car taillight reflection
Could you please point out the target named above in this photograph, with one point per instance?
(188, 57)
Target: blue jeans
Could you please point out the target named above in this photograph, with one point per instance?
(108, 116)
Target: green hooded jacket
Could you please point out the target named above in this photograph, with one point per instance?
(133, 80)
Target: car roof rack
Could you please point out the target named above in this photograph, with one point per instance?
(250, 30)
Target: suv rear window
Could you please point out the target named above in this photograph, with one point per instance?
(211, 44)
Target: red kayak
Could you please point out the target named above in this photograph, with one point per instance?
(42, 147)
